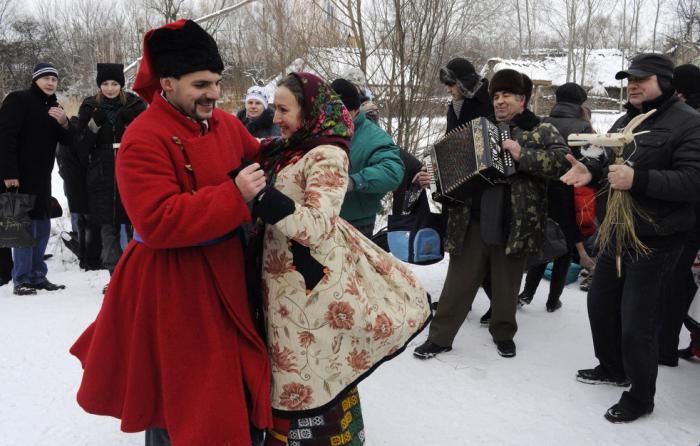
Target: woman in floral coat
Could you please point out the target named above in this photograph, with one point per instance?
(336, 305)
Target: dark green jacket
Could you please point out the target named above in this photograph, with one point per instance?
(375, 169)
(542, 158)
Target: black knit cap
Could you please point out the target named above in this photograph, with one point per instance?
(348, 93)
(686, 79)
(110, 72)
(511, 81)
(459, 70)
(571, 92)
(184, 50)
(648, 64)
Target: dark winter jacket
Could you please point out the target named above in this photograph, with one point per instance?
(542, 158)
(479, 105)
(28, 138)
(566, 118)
(262, 126)
(73, 173)
(375, 169)
(666, 164)
(98, 151)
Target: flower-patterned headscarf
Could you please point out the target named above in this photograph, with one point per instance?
(326, 121)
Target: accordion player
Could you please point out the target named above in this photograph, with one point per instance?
(468, 159)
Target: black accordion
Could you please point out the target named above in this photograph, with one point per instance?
(467, 160)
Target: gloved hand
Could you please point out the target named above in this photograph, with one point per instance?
(99, 116)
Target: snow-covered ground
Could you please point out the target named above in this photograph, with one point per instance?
(469, 396)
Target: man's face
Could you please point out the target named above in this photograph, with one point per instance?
(194, 94)
(454, 91)
(642, 89)
(47, 84)
(506, 105)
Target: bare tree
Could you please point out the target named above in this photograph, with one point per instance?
(169, 10)
(656, 23)
(591, 7)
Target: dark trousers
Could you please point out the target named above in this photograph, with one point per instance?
(465, 274)
(623, 313)
(111, 246)
(5, 265)
(29, 266)
(678, 294)
(560, 269)
(159, 437)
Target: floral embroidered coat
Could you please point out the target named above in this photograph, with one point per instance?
(336, 304)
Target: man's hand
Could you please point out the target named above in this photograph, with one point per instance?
(620, 176)
(250, 180)
(513, 147)
(11, 183)
(578, 175)
(59, 115)
(422, 178)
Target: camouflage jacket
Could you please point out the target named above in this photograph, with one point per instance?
(542, 158)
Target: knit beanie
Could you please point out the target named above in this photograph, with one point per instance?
(257, 93)
(110, 72)
(571, 92)
(43, 69)
(348, 93)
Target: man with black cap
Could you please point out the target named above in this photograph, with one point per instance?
(31, 124)
(662, 174)
(566, 117)
(503, 225)
(375, 164)
(175, 350)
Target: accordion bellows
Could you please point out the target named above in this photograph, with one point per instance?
(469, 159)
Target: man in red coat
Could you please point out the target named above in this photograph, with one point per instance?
(174, 350)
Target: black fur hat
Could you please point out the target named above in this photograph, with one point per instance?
(348, 93)
(571, 92)
(511, 81)
(110, 72)
(183, 50)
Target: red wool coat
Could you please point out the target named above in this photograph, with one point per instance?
(174, 343)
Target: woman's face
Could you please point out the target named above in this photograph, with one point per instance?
(110, 89)
(253, 108)
(287, 112)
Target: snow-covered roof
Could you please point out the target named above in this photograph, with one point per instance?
(601, 66)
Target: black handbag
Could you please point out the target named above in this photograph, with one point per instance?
(15, 224)
(553, 245)
(416, 236)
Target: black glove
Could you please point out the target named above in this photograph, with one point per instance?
(99, 116)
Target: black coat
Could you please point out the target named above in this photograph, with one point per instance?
(666, 164)
(261, 127)
(28, 139)
(412, 166)
(479, 105)
(73, 173)
(566, 117)
(96, 151)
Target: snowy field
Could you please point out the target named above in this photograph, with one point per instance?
(469, 396)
